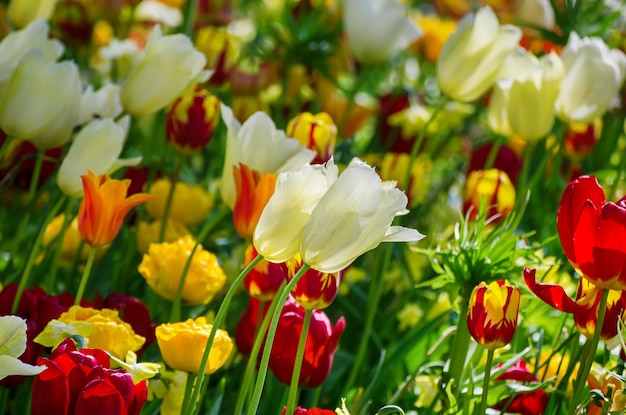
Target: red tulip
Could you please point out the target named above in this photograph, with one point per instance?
(584, 308)
(312, 411)
(592, 233)
(526, 403)
(316, 289)
(319, 351)
(264, 280)
(81, 383)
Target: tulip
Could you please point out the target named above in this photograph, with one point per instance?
(393, 167)
(41, 100)
(18, 163)
(353, 217)
(97, 147)
(23, 12)
(279, 230)
(259, 145)
(162, 268)
(182, 345)
(525, 403)
(17, 44)
(192, 120)
(221, 50)
(169, 65)
(71, 242)
(526, 98)
(580, 139)
(190, 204)
(471, 58)
(246, 328)
(319, 351)
(584, 307)
(12, 346)
(315, 290)
(81, 383)
(264, 280)
(506, 160)
(104, 207)
(377, 29)
(491, 187)
(592, 232)
(593, 76)
(253, 193)
(316, 132)
(535, 12)
(103, 103)
(492, 316)
(311, 411)
(109, 333)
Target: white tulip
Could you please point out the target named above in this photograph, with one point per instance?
(377, 29)
(593, 76)
(353, 217)
(258, 144)
(536, 12)
(97, 147)
(16, 44)
(471, 58)
(12, 346)
(103, 103)
(169, 65)
(279, 230)
(23, 12)
(41, 100)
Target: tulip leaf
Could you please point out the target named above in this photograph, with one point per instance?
(12, 336)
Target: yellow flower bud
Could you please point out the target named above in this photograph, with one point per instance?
(71, 241)
(190, 204)
(163, 266)
(495, 187)
(182, 345)
(316, 132)
(109, 333)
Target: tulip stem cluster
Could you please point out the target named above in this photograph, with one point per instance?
(293, 388)
(85, 277)
(589, 355)
(258, 388)
(221, 314)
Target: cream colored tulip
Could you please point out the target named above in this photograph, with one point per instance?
(12, 346)
(258, 144)
(16, 44)
(169, 65)
(97, 147)
(354, 216)
(377, 29)
(279, 230)
(593, 76)
(523, 101)
(471, 58)
(22, 12)
(535, 12)
(41, 100)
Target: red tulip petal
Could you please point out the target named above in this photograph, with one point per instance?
(585, 240)
(50, 393)
(100, 397)
(551, 294)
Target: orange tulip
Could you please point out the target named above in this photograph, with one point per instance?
(104, 207)
(253, 192)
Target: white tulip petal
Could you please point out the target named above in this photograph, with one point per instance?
(10, 366)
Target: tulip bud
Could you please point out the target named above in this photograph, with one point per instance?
(315, 290)
(492, 314)
(495, 187)
(471, 58)
(316, 132)
(192, 120)
(580, 139)
(264, 280)
(221, 51)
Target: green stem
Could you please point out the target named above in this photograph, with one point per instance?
(585, 366)
(30, 261)
(54, 267)
(373, 298)
(417, 144)
(190, 17)
(483, 401)
(258, 388)
(221, 313)
(297, 365)
(176, 304)
(85, 277)
(493, 153)
(254, 353)
(32, 189)
(170, 196)
(5, 146)
(460, 344)
(191, 378)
